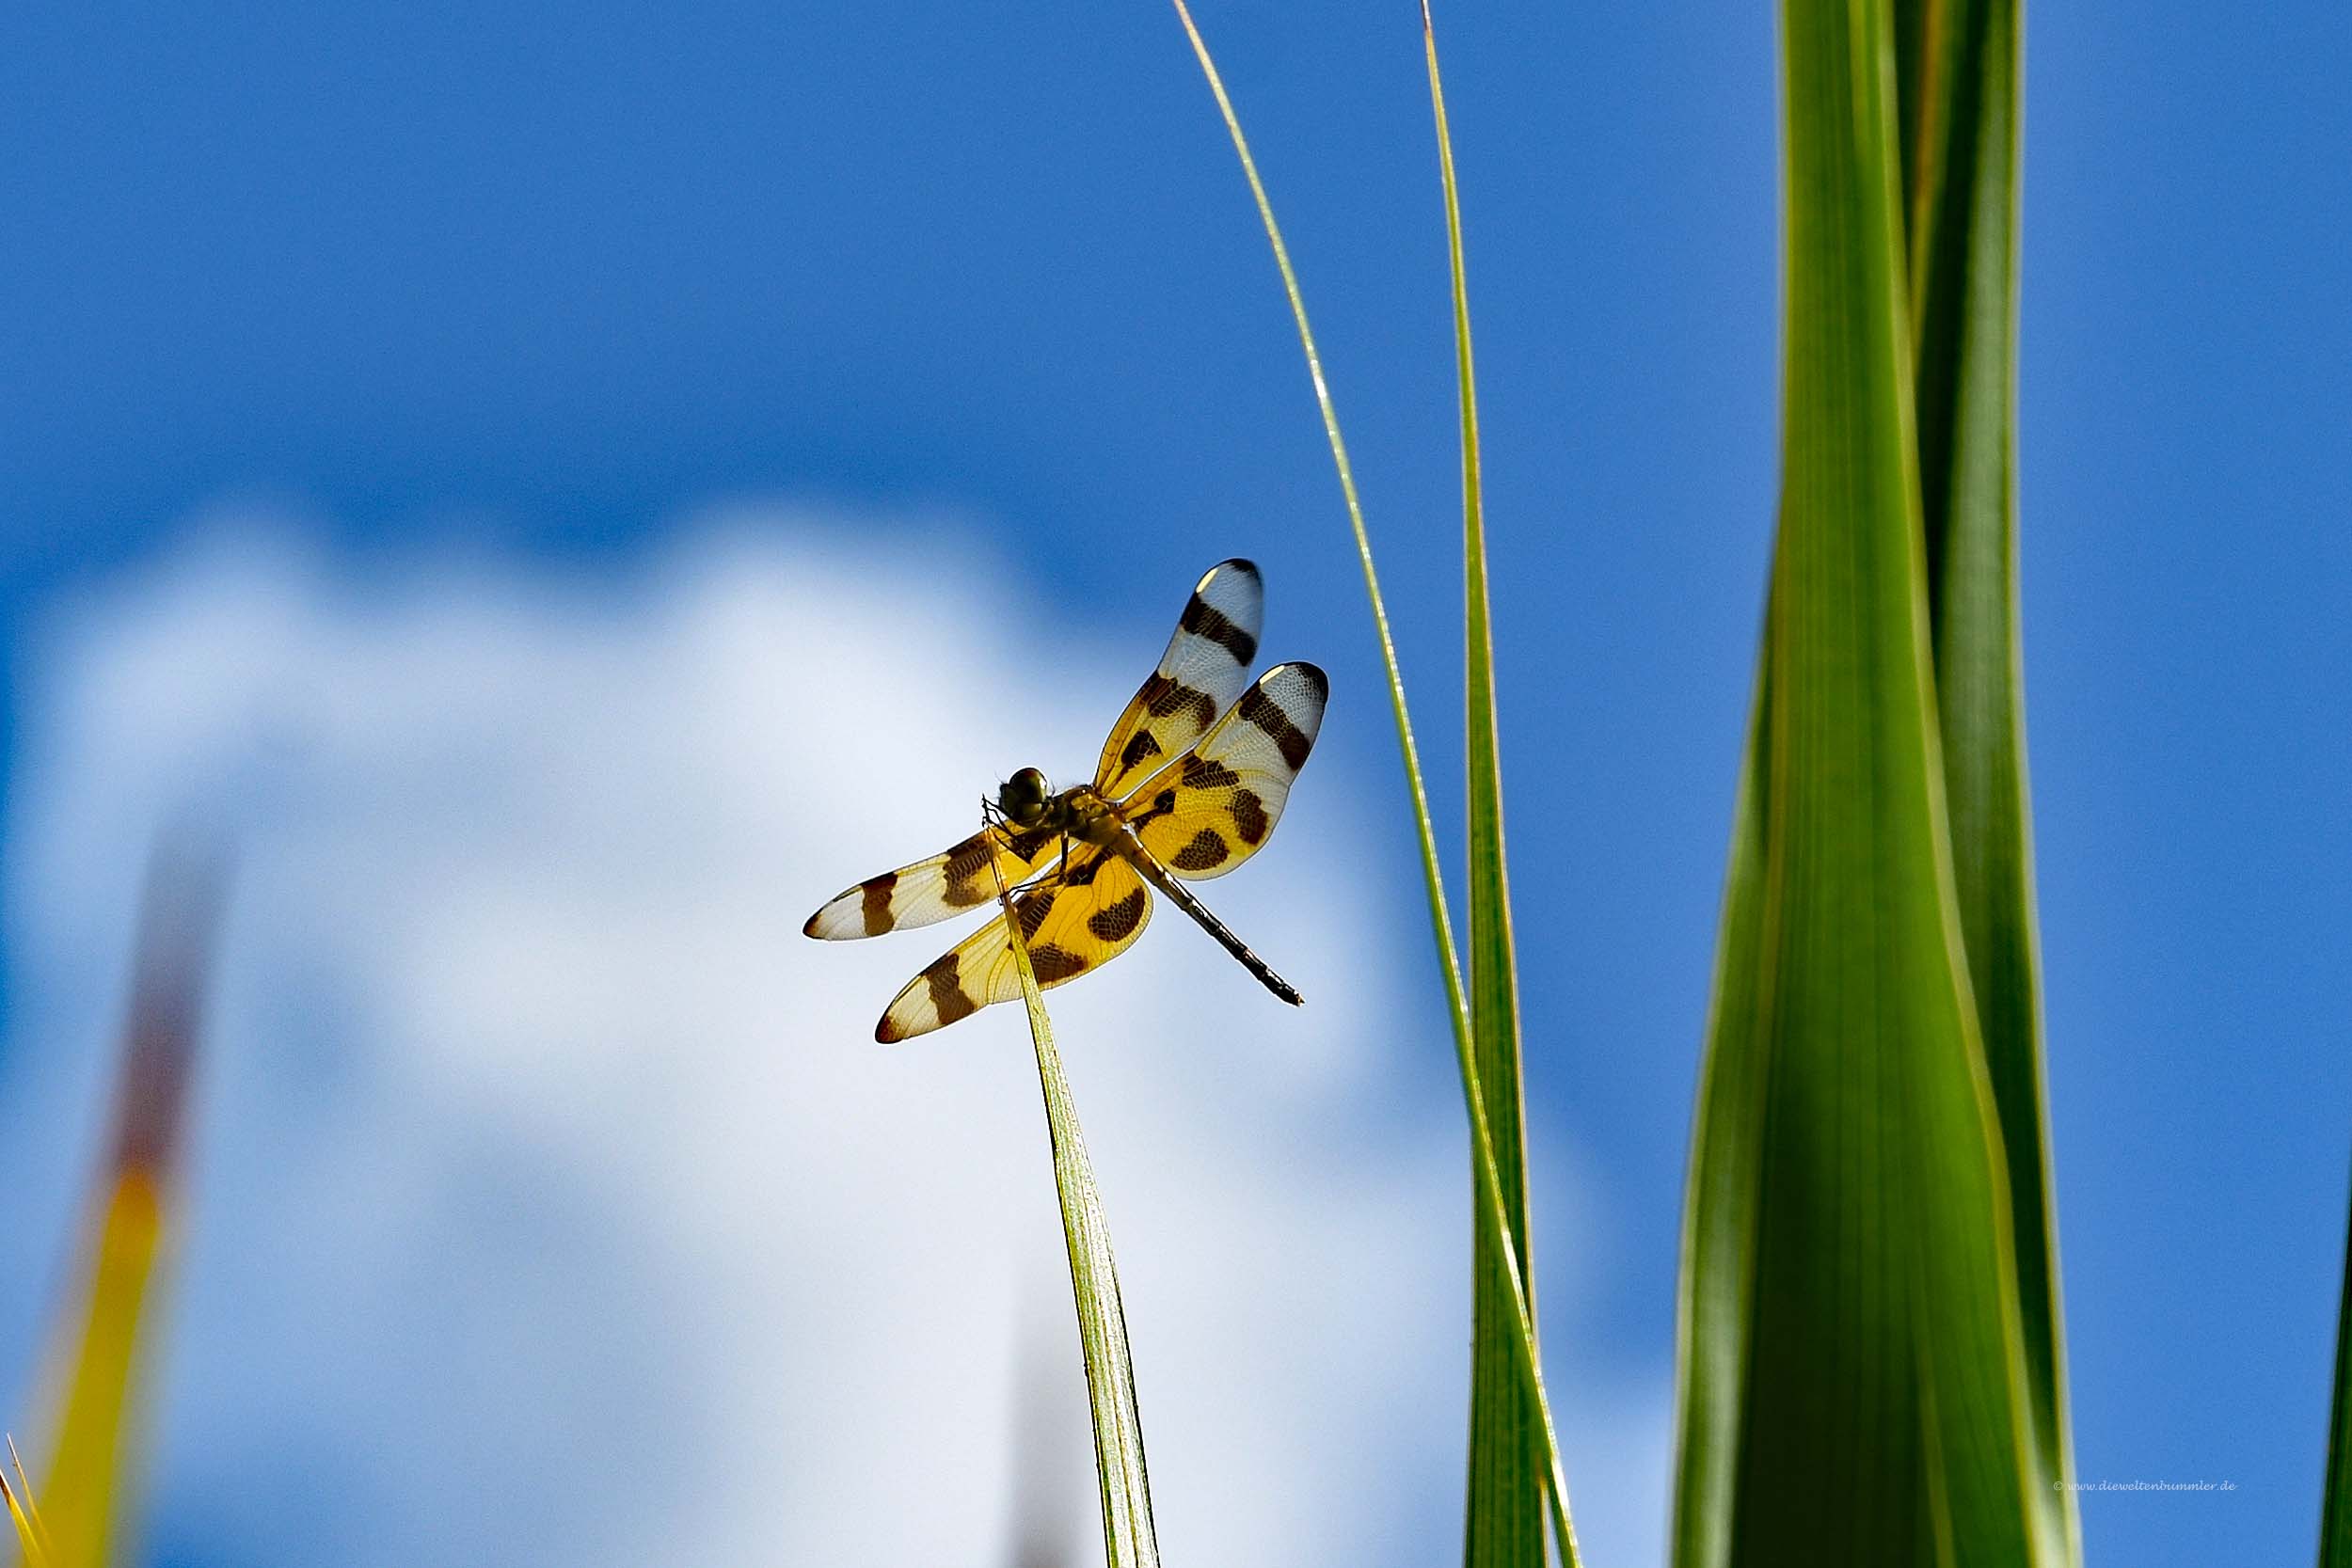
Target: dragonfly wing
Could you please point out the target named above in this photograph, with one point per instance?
(1209, 810)
(1205, 667)
(1073, 924)
(934, 889)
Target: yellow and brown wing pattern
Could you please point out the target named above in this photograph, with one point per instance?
(1075, 923)
(931, 889)
(1205, 667)
(1209, 810)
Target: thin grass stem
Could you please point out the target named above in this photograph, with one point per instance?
(1510, 1459)
(1490, 1207)
(1129, 1540)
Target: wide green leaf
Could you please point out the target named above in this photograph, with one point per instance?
(1855, 1385)
(1956, 82)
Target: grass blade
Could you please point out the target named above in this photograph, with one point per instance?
(1851, 1325)
(1503, 1518)
(1958, 81)
(32, 1541)
(1491, 1212)
(101, 1369)
(1128, 1539)
(2335, 1508)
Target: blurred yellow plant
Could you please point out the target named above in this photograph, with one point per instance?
(98, 1367)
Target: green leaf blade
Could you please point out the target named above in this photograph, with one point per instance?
(1491, 1215)
(1960, 87)
(1129, 1539)
(2335, 1511)
(1503, 1516)
(1854, 1387)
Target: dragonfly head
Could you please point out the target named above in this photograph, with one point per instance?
(1024, 797)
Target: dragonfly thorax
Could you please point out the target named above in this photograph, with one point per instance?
(1027, 803)
(1084, 816)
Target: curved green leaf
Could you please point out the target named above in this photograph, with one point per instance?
(1958, 81)
(1855, 1388)
(1492, 1210)
(1503, 1518)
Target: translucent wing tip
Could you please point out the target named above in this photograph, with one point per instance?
(1241, 565)
(1297, 692)
(839, 918)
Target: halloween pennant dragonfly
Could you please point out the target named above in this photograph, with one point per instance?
(1180, 794)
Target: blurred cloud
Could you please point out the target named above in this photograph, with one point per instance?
(551, 1203)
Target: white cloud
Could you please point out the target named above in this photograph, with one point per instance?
(552, 1204)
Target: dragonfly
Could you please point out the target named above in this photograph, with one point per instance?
(1191, 782)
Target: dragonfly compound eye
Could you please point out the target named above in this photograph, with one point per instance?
(1023, 799)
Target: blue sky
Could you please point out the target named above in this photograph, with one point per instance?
(525, 291)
